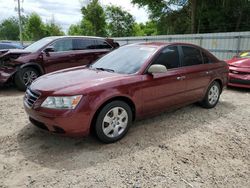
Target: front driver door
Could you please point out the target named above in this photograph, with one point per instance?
(61, 58)
(164, 90)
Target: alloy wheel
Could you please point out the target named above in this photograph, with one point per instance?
(115, 122)
(213, 94)
(29, 77)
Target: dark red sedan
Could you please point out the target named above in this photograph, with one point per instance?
(239, 70)
(132, 82)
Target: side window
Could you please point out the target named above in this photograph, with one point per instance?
(101, 44)
(84, 44)
(191, 56)
(63, 45)
(206, 59)
(169, 57)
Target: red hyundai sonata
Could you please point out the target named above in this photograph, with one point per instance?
(239, 70)
(132, 82)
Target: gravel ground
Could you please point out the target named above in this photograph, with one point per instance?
(189, 147)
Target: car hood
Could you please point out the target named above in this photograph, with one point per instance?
(72, 81)
(239, 62)
(14, 51)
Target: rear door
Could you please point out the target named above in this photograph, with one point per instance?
(84, 51)
(197, 73)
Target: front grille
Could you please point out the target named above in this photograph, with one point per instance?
(31, 97)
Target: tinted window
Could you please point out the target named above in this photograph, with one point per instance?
(100, 44)
(7, 46)
(206, 59)
(4, 46)
(39, 44)
(191, 56)
(125, 60)
(84, 44)
(169, 57)
(63, 45)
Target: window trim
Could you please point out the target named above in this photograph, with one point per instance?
(158, 54)
(104, 41)
(182, 55)
(53, 42)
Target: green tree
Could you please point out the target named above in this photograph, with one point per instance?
(192, 16)
(94, 19)
(52, 29)
(9, 29)
(147, 29)
(75, 29)
(35, 28)
(120, 22)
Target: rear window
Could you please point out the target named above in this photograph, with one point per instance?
(191, 56)
(84, 44)
(101, 44)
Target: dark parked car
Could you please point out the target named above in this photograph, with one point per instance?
(239, 70)
(10, 45)
(132, 82)
(50, 54)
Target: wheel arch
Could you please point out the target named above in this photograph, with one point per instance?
(33, 65)
(220, 83)
(115, 98)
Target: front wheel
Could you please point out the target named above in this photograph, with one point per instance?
(113, 121)
(212, 96)
(24, 77)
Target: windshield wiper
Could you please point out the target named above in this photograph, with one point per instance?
(104, 69)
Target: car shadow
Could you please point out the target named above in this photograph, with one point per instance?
(58, 152)
(10, 90)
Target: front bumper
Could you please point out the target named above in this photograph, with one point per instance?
(6, 73)
(239, 80)
(66, 122)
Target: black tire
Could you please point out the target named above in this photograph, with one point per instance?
(105, 111)
(206, 102)
(20, 81)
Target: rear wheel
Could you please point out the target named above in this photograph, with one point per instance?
(113, 121)
(212, 96)
(24, 77)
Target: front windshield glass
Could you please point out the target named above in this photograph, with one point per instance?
(34, 47)
(125, 60)
(244, 55)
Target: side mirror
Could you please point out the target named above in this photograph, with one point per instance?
(49, 49)
(157, 68)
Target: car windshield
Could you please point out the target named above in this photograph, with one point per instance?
(244, 55)
(124, 60)
(34, 47)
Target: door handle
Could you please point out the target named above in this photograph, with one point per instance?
(209, 72)
(181, 77)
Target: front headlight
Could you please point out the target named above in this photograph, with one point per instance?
(69, 102)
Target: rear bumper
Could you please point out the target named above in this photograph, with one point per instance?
(239, 80)
(6, 73)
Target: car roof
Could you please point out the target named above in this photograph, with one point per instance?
(163, 44)
(67, 36)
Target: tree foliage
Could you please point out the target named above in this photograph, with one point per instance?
(33, 28)
(120, 22)
(94, 19)
(193, 16)
(9, 29)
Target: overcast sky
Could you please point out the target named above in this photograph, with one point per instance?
(65, 12)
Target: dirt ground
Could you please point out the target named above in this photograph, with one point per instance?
(190, 147)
